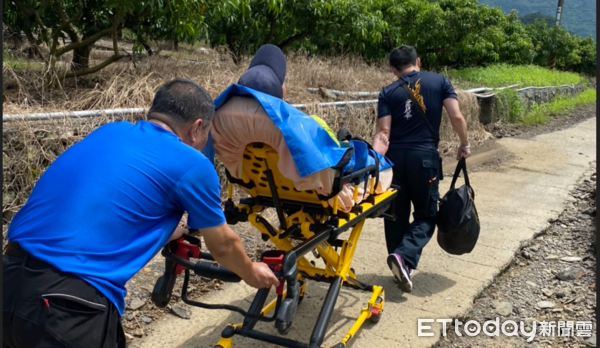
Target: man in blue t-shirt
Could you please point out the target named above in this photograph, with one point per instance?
(101, 211)
(406, 138)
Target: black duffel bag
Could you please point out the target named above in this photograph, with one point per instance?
(457, 219)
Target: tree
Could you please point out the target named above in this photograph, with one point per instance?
(177, 20)
(554, 47)
(313, 25)
(83, 23)
(457, 33)
(587, 55)
(517, 47)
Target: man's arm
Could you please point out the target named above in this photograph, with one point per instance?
(226, 248)
(382, 134)
(198, 193)
(459, 125)
(381, 140)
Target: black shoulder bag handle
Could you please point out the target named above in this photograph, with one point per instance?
(460, 166)
(422, 113)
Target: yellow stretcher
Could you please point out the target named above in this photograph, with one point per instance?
(308, 224)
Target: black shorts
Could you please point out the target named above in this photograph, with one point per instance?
(44, 307)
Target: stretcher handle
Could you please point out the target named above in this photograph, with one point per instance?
(215, 271)
(206, 269)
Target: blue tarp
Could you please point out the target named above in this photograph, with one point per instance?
(311, 147)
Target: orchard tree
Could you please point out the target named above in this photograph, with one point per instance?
(83, 23)
(457, 33)
(352, 26)
(516, 46)
(174, 20)
(554, 47)
(313, 25)
(587, 56)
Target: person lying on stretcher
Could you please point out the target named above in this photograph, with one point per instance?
(254, 110)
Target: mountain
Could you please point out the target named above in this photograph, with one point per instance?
(579, 16)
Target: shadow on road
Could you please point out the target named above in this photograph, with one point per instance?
(425, 284)
(346, 311)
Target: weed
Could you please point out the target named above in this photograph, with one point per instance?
(535, 116)
(500, 75)
(565, 103)
(21, 64)
(507, 106)
(559, 105)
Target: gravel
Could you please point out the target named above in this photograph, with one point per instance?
(562, 263)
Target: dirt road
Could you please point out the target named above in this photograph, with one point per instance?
(515, 201)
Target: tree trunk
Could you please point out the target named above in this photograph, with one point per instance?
(146, 46)
(272, 29)
(175, 44)
(148, 49)
(81, 58)
(552, 62)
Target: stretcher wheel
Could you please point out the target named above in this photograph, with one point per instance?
(375, 315)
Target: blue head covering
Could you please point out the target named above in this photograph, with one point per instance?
(266, 72)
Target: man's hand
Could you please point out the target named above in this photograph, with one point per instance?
(261, 276)
(178, 233)
(226, 248)
(463, 152)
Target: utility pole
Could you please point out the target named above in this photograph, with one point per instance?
(559, 11)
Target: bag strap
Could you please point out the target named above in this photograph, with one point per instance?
(460, 166)
(420, 109)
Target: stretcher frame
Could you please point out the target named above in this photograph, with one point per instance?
(308, 223)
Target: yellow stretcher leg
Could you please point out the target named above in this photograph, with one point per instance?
(372, 311)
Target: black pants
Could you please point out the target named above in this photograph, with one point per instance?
(44, 307)
(416, 172)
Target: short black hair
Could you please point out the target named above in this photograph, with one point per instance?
(403, 57)
(182, 101)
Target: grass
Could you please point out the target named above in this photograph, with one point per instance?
(565, 104)
(560, 105)
(535, 116)
(507, 106)
(21, 64)
(501, 75)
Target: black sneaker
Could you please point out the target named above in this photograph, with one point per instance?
(401, 272)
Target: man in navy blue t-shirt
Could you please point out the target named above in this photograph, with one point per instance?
(405, 138)
(102, 210)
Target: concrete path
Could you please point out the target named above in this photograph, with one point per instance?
(514, 203)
